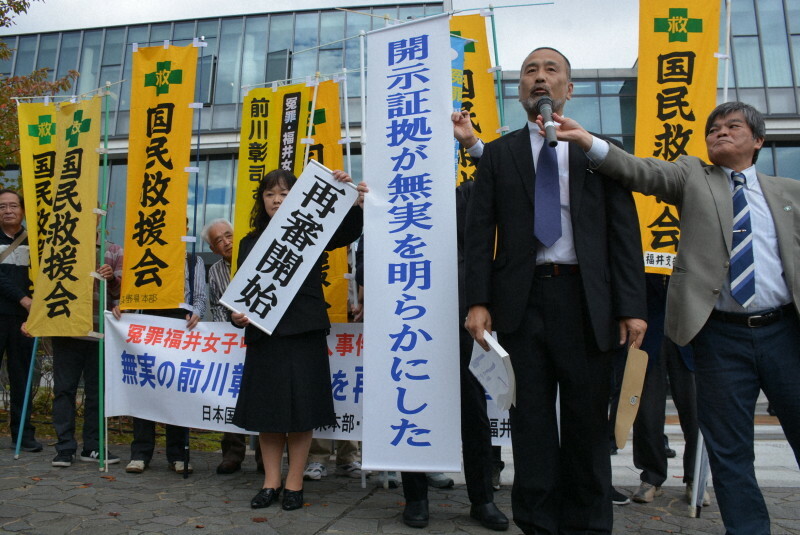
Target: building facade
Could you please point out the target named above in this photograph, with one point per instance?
(252, 49)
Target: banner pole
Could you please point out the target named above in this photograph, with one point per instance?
(310, 128)
(498, 75)
(21, 426)
(346, 116)
(101, 305)
(727, 49)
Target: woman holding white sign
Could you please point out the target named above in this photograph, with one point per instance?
(285, 391)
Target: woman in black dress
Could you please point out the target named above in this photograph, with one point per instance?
(285, 390)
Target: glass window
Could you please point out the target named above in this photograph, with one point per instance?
(411, 12)
(278, 65)
(793, 16)
(136, 34)
(115, 44)
(229, 62)
(611, 87)
(219, 193)
(381, 14)
(765, 162)
(781, 100)
(796, 55)
(26, 54)
(613, 119)
(584, 87)
(117, 189)
(585, 110)
(160, 33)
(777, 66)
(306, 36)
(747, 62)
(787, 161)
(280, 32)
(206, 63)
(331, 29)
(47, 53)
(254, 60)
(90, 61)
(356, 22)
(434, 9)
(743, 18)
(7, 64)
(755, 97)
(183, 31)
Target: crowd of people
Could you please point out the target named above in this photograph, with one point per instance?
(549, 242)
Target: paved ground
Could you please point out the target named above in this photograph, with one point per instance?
(36, 498)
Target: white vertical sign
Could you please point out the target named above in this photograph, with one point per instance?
(411, 361)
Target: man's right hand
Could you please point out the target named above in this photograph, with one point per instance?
(462, 129)
(478, 320)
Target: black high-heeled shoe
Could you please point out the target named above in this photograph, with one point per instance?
(292, 499)
(265, 498)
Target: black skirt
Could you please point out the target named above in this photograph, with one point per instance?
(286, 385)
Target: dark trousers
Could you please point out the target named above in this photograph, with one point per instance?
(732, 363)
(144, 441)
(18, 349)
(561, 485)
(649, 454)
(73, 358)
(476, 438)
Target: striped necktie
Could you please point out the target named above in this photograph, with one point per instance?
(742, 270)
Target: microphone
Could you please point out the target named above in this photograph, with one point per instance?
(545, 108)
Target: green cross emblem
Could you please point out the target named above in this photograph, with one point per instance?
(162, 77)
(678, 25)
(79, 125)
(319, 117)
(44, 129)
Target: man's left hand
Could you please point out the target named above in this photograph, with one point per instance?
(631, 331)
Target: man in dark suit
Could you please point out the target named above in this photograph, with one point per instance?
(734, 290)
(565, 286)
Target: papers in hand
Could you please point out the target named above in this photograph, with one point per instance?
(493, 370)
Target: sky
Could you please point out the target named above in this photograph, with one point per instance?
(594, 34)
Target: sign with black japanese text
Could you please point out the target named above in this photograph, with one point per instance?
(276, 267)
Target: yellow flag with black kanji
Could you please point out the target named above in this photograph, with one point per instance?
(676, 92)
(326, 149)
(162, 88)
(62, 291)
(37, 162)
(478, 96)
(273, 123)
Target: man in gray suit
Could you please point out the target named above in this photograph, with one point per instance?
(734, 292)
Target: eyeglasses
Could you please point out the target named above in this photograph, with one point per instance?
(11, 206)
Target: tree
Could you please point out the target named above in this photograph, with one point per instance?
(34, 84)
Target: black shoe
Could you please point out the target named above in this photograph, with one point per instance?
(489, 516)
(415, 514)
(228, 467)
(265, 498)
(63, 459)
(292, 499)
(617, 498)
(671, 454)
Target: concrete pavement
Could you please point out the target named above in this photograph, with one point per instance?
(36, 498)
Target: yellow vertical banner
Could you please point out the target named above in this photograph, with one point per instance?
(37, 160)
(273, 122)
(62, 292)
(326, 133)
(676, 92)
(478, 96)
(162, 89)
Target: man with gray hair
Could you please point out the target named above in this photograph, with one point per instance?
(734, 291)
(218, 234)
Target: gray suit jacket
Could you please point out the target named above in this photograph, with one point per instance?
(702, 194)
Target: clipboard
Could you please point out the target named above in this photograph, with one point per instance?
(630, 394)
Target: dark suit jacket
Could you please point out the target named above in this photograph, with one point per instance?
(308, 311)
(605, 233)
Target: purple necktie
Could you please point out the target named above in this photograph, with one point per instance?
(547, 198)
